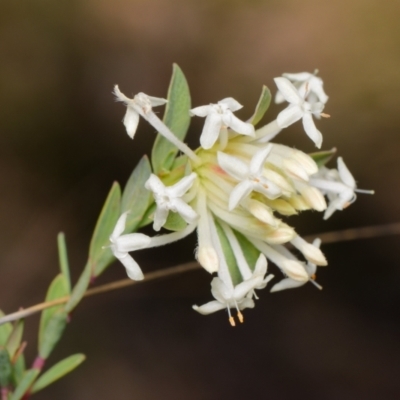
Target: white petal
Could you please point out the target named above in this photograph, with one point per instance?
(286, 284)
(246, 303)
(132, 268)
(131, 121)
(160, 217)
(289, 92)
(239, 192)
(313, 133)
(185, 211)
(319, 91)
(237, 125)
(181, 187)
(244, 288)
(220, 291)
(119, 226)
(232, 104)
(157, 101)
(120, 96)
(345, 174)
(155, 184)
(201, 111)
(289, 116)
(209, 308)
(261, 266)
(267, 188)
(279, 98)
(258, 160)
(332, 208)
(211, 129)
(233, 166)
(132, 242)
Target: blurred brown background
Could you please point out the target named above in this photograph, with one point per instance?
(62, 144)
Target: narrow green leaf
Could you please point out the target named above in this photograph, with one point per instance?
(18, 370)
(14, 340)
(229, 256)
(57, 371)
(148, 215)
(63, 259)
(57, 289)
(5, 368)
(80, 288)
(52, 333)
(136, 197)
(26, 382)
(262, 106)
(322, 157)
(5, 330)
(99, 257)
(250, 253)
(177, 119)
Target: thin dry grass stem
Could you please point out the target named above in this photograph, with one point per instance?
(327, 237)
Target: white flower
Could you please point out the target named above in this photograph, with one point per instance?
(141, 104)
(258, 277)
(299, 108)
(219, 117)
(227, 297)
(307, 82)
(339, 185)
(289, 283)
(121, 245)
(169, 199)
(251, 176)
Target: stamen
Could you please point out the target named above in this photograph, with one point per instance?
(364, 191)
(323, 115)
(231, 319)
(239, 314)
(315, 283)
(240, 317)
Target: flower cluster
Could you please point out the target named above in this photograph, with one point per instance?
(233, 189)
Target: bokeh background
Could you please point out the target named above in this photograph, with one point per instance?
(62, 144)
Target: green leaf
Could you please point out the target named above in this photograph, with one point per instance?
(148, 216)
(14, 340)
(322, 157)
(63, 259)
(5, 368)
(5, 330)
(262, 106)
(80, 288)
(175, 222)
(136, 197)
(58, 288)
(26, 382)
(52, 333)
(99, 257)
(229, 255)
(250, 253)
(177, 119)
(57, 371)
(18, 369)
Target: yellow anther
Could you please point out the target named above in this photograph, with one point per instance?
(240, 317)
(232, 321)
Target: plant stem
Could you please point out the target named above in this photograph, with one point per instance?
(327, 237)
(102, 289)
